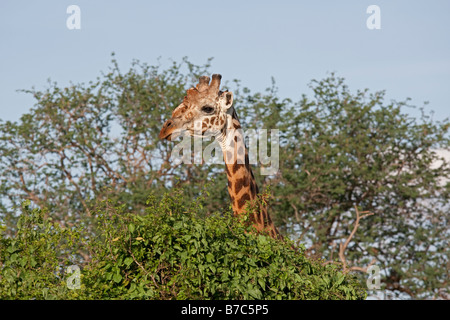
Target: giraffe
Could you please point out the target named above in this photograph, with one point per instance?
(208, 110)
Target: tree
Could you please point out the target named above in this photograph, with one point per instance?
(345, 152)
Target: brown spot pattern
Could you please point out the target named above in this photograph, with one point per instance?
(245, 197)
(236, 167)
(241, 183)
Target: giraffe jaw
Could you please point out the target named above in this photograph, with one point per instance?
(165, 136)
(170, 136)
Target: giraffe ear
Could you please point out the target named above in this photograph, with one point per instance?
(226, 100)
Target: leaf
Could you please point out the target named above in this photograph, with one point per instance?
(255, 293)
(262, 283)
(209, 257)
(128, 261)
(340, 279)
(117, 278)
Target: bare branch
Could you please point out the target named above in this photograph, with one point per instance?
(343, 247)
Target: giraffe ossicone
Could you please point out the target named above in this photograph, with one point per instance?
(208, 111)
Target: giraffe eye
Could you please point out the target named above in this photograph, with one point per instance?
(207, 109)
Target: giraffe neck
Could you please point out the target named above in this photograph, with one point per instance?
(242, 185)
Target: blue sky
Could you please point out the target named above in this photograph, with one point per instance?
(293, 41)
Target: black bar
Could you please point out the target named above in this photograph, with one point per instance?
(199, 309)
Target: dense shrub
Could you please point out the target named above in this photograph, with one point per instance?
(171, 252)
(32, 261)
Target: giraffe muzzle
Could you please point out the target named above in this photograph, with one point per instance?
(167, 130)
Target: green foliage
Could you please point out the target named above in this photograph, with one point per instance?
(169, 253)
(345, 150)
(33, 261)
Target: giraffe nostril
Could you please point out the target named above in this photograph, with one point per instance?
(169, 123)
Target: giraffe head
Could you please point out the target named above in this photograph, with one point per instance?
(205, 109)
